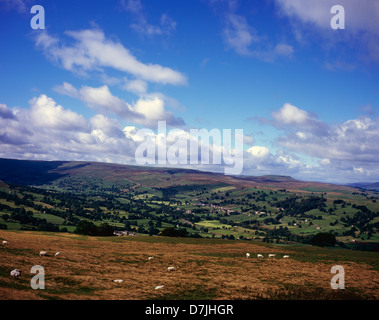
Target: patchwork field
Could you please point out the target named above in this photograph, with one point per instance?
(210, 269)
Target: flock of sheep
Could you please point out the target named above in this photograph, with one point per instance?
(271, 255)
(17, 273)
(157, 287)
(260, 256)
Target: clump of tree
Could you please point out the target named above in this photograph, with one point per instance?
(323, 239)
(90, 229)
(295, 206)
(172, 232)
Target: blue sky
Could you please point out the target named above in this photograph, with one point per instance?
(305, 95)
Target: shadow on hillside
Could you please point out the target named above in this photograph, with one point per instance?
(26, 172)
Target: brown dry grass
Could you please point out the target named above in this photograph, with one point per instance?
(205, 270)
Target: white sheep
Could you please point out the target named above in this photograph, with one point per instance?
(247, 255)
(271, 255)
(15, 273)
(118, 281)
(5, 242)
(42, 253)
(171, 269)
(159, 287)
(151, 258)
(57, 254)
(259, 256)
(286, 256)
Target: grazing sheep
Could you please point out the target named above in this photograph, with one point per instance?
(118, 281)
(247, 255)
(260, 256)
(286, 256)
(171, 269)
(151, 258)
(15, 273)
(42, 253)
(159, 287)
(271, 255)
(5, 242)
(57, 254)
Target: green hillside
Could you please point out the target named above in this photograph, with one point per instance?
(56, 196)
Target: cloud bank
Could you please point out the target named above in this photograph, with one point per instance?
(345, 150)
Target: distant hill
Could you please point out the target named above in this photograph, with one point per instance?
(374, 186)
(270, 178)
(39, 173)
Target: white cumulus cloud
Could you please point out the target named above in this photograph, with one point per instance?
(91, 50)
(147, 110)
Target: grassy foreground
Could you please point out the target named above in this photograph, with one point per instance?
(205, 269)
